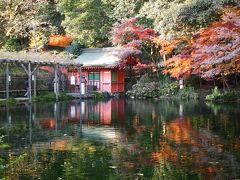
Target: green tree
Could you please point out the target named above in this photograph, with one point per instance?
(17, 16)
(23, 19)
(2, 34)
(126, 8)
(174, 18)
(49, 13)
(89, 21)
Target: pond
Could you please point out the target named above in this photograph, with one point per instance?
(121, 139)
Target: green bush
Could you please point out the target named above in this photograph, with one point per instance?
(2, 144)
(148, 90)
(12, 44)
(170, 88)
(217, 95)
(45, 98)
(11, 101)
(50, 97)
(164, 86)
(230, 96)
(64, 97)
(187, 93)
(74, 48)
(98, 95)
(146, 87)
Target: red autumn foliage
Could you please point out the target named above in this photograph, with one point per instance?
(59, 40)
(129, 31)
(215, 50)
(166, 47)
(130, 35)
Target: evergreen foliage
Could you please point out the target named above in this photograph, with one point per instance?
(74, 48)
(88, 21)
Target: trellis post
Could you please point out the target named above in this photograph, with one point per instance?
(56, 81)
(80, 79)
(56, 115)
(7, 81)
(29, 82)
(30, 124)
(35, 84)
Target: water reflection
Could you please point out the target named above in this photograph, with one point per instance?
(122, 138)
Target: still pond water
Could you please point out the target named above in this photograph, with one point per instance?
(121, 139)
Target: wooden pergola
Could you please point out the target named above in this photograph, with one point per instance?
(30, 62)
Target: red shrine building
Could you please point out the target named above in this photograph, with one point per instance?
(100, 71)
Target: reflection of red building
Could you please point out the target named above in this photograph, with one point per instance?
(48, 123)
(98, 113)
(102, 113)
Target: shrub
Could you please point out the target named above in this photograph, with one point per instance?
(230, 96)
(169, 88)
(164, 86)
(146, 87)
(187, 93)
(45, 98)
(64, 97)
(2, 144)
(12, 44)
(98, 95)
(144, 90)
(215, 95)
(11, 101)
(50, 97)
(74, 48)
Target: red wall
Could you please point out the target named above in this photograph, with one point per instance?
(105, 76)
(106, 83)
(119, 85)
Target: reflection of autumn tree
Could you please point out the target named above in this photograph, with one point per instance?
(222, 122)
(65, 159)
(166, 139)
(88, 160)
(19, 167)
(200, 147)
(133, 153)
(163, 109)
(167, 171)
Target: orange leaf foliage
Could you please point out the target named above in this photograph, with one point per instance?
(216, 48)
(59, 40)
(167, 47)
(214, 52)
(178, 66)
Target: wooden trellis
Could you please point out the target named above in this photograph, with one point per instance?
(31, 63)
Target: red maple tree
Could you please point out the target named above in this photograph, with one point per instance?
(133, 37)
(214, 51)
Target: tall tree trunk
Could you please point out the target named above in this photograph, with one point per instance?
(200, 82)
(236, 79)
(225, 84)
